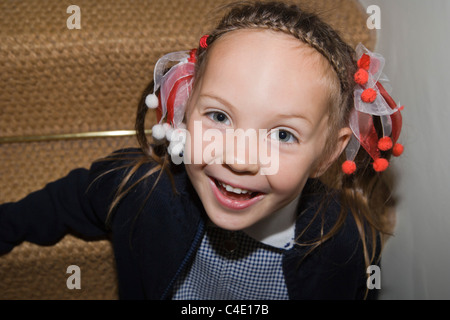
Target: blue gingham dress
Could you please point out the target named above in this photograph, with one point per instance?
(230, 265)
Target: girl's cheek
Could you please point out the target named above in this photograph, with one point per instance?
(293, 171)
(205, 144)
(191, 149)
(196, 144)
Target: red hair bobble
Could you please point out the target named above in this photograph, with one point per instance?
(369, 95)
(380, 164)
(203, 41)
(385, 143)
(349, 167)
(361, 76)
(364, 62)
(397, 150)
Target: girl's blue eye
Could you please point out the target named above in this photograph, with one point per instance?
(283, 136)
(219, 117)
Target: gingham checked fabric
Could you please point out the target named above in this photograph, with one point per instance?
(252, 271)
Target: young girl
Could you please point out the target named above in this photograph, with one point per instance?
(202, 214)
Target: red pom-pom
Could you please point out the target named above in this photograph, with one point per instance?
(369, 95)
(349, 167)
(364, 62)
(380, 164)
(361, 77)
(385, 143)
(397, 150)
(203, 41)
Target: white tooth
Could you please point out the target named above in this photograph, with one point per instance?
(232, 189)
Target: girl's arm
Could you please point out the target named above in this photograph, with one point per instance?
(45, 216)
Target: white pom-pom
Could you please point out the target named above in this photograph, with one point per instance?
(177, 149)
(158, 132)
(166, 126)
(152, 101)
(169, 133)
(179, 135)
(176, 152)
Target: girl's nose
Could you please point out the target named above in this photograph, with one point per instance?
(242, 159)
(240, 151)
(243, 168)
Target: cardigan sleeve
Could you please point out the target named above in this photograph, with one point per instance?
(77, 203)
(45, 216)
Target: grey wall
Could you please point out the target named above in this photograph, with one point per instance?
(414, 38)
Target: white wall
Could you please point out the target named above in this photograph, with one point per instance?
(415, 40)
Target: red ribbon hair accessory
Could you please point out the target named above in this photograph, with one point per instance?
(372, 99)
(173, 85)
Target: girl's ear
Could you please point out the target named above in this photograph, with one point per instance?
(343, 138)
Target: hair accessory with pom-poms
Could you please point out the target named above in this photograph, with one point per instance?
(171, 90)
(372, 100)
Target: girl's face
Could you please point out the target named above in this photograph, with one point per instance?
(256, 81)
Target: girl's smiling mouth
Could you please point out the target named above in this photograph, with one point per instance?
(234, 198)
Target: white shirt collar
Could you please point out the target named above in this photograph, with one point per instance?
(278, 229)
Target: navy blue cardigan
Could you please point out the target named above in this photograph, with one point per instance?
(155, 238)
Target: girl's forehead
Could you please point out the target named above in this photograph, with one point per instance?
(262, 67)
(257, 53)
(266, 43)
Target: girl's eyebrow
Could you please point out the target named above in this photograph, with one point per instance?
(229, 105)
(298, 116)
(219, 99)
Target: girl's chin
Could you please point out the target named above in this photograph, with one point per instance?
(228, 222)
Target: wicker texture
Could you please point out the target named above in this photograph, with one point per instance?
(39, 272)
(54, 80)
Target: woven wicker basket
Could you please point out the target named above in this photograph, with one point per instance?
(58, 81)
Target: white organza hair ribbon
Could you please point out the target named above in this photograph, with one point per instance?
(370, 96)
(174, 88)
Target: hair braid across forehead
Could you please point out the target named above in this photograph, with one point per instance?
(302, 25)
